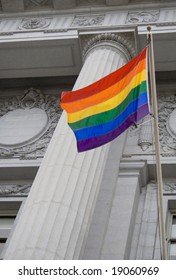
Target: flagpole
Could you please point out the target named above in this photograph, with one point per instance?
(157, 145)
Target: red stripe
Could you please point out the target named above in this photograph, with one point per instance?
(103, 83)
(107, 94)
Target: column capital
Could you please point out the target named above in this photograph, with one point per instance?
(120, 42)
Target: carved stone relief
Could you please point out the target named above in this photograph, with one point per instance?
(88, 20)
(142, 16)
(14, 189)
(34, 23)
(40, 113)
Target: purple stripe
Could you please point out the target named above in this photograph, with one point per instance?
(95, 142)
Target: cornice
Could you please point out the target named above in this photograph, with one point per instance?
(88, 9)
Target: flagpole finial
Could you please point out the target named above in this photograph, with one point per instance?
(149, 28)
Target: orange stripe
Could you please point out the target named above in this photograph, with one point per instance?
(105, 82)
(105, 94)
(110, 103)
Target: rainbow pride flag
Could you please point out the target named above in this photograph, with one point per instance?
(100, 112)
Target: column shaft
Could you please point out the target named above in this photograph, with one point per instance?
(55, 219)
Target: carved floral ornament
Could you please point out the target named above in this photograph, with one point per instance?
(34, 23)
(142, 16)
(88, 20)
(27, 123)
(14, 190)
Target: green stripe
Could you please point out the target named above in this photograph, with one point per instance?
(111, 114)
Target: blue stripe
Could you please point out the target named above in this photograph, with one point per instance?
(94, 131)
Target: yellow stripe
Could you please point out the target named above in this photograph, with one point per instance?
(110, 103)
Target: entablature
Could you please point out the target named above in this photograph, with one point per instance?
(162, 19)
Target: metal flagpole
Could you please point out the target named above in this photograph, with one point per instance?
(157, 145)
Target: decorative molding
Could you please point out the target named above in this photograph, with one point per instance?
(32, 98)
(165, 17)
(55, 30)
(123, 41)
(34, 23)
(14, 189)
(88, 20)
(142, 16)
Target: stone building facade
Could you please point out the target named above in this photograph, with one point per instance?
(102, 204)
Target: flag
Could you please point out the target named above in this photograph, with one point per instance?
(100, 112)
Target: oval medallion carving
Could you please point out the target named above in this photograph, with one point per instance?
(22, 126)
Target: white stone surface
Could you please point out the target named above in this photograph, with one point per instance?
(98, 228)
(120, 225)
(148, 232)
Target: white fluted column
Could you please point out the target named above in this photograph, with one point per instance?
(55, 219)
